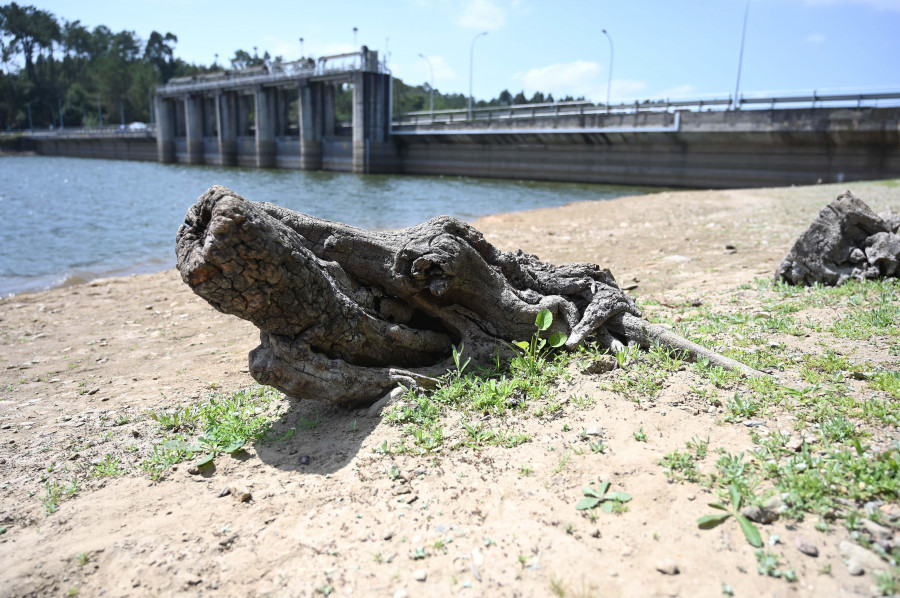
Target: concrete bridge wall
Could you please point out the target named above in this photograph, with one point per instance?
(702, 149)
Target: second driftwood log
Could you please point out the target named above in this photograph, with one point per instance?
(346, 314)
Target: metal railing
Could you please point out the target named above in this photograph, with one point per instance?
(555, 109)
(272, 73)
(105, 131)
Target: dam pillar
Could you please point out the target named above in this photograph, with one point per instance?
(165, 130)
(310, 121)
(226, 124)
(265, 128)
(371, 122)
(327, 111)
(193, 124)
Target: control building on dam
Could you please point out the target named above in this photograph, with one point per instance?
(284, 116)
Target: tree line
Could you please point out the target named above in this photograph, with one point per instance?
(55, 72)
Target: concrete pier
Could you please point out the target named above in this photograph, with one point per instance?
(226, 125)
(165, 130)
(193, 123)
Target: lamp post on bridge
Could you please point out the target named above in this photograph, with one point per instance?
(609, 80)
(430, 68)
(737, 85)
(301, 48)
(355, 29)
(471, 65)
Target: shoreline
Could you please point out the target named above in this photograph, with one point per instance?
(502, 226)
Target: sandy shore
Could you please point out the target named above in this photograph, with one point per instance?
(81, 367)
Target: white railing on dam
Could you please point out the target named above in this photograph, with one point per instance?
(745, 102)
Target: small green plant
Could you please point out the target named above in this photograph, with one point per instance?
(82, 558)
(110, 467)
(393, 472)
(532, 349)
(609, 502)
(526, 470)
(711, 521)
(50, 500)
(640, 435)
(888, 582)
(768, 565)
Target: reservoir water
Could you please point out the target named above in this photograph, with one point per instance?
(69, 220)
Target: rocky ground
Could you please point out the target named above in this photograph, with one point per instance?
(329, 503)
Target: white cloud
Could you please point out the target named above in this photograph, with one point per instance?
(815, 38)
(576, 79)
(482, 14)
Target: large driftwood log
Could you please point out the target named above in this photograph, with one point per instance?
(346, 314)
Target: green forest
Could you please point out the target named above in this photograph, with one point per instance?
(60, 73)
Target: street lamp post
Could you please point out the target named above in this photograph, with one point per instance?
(471, 65)
(430, 68)
(609, 81)
(737, 85)
(301, 48)
(355, 29)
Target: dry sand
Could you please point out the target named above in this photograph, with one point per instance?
(81, 366)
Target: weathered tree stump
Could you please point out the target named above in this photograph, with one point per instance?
(346, 314)
(847, 240)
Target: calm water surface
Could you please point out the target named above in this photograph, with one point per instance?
(68, 220)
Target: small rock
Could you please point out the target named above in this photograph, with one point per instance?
(668, 567)
(420, 575)
(225, 492)
(304, 460)
(602, 364)
(806, 547)
(193, 470)
(794, 443)
(854, 567)
(240, 494)
(867, 560)
(613, 573)
(760, 514)
(593, 431)
(400, 594)
(388, 534)
(879, 532)
(730, 248)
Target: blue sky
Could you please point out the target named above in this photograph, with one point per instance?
(661, 49)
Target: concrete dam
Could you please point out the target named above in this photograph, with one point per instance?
(244, 118)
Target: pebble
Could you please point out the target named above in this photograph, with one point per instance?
(400, 594)
(806, 547)
(304, 460)
(593, 431)
(854, 567)
(668, 567)
(602, 364)
(880, 532)
(865, 558)
(240, 494)
(420, 575)
(225, 492)
(795, 443)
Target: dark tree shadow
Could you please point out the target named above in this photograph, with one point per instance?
(315, 437)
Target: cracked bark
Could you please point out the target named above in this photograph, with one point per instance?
(347, 314)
